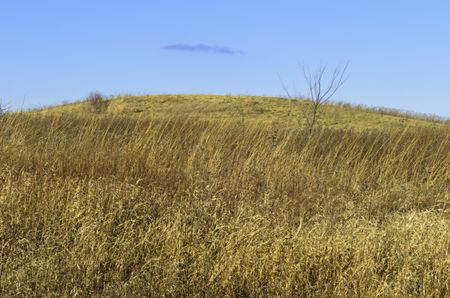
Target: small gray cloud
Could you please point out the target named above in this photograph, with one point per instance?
(202, 48)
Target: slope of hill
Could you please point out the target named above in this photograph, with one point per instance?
(290, 113)
(164, 205)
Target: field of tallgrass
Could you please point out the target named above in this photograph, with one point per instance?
(180, 205)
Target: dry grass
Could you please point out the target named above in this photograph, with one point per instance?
(284, 112)
(118, 206)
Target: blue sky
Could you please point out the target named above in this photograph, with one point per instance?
(54, 51)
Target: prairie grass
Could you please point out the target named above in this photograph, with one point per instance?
(111, 205)
(285, 112)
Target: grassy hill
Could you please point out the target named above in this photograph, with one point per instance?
(237, 200)
(289, 113)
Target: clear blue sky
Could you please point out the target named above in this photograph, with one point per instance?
(51, 51)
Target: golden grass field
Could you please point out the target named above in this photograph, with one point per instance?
(215, 196)
(283, 112)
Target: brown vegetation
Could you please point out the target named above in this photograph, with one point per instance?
(97, 102)
(286, 113)
(117, 206)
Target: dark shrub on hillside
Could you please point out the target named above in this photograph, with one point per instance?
(97, 102)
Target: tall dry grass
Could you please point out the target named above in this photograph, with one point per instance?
(112, 206)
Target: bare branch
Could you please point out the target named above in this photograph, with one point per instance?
(322, 87)
(285, 88)
(3, 109)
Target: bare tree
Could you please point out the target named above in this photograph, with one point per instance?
(322, 83)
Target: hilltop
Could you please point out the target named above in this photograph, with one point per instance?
(282, 111)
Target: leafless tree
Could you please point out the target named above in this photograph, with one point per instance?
(322, 83)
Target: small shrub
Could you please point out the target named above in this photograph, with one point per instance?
(97, 102)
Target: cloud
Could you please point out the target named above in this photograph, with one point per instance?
(202, 48)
